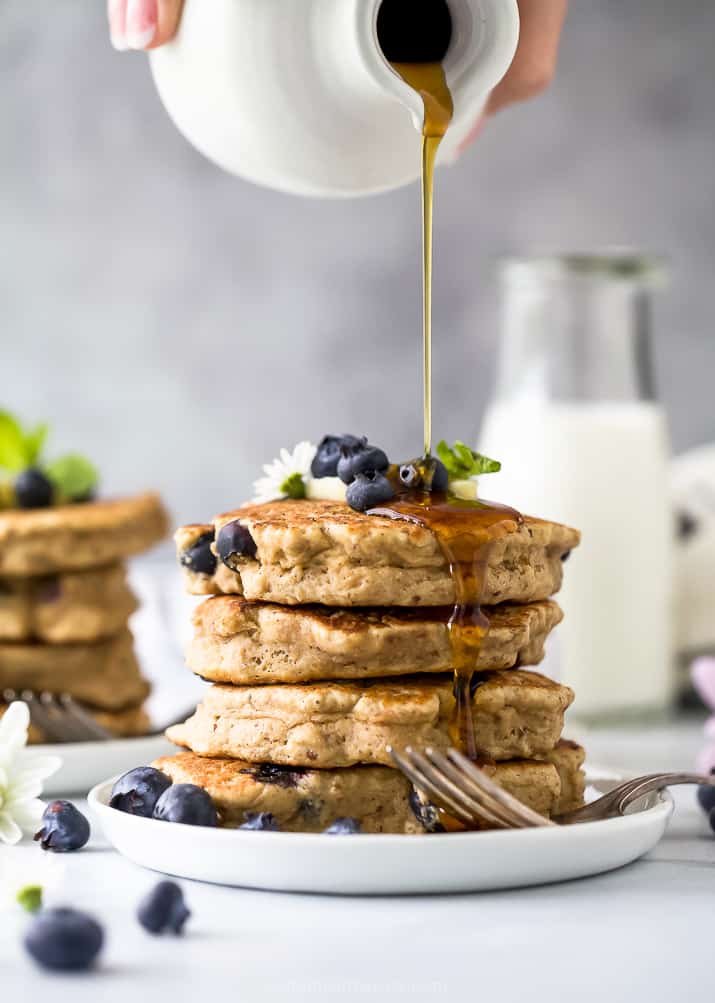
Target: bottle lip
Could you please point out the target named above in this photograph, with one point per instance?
(620, 265)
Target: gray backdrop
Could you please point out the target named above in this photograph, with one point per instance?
(179, 325)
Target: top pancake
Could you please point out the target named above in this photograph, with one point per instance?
(71, 537)
(325, 552)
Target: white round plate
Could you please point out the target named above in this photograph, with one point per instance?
(384, 864)
(84, 764)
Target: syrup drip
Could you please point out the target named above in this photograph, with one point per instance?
(465, 531)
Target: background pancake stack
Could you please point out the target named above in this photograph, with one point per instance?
(324, 645)
(65, 604)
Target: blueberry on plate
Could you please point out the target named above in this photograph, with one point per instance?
(138, 791)
(260, 821)
(199, 557)
(33, 489)
(163, 909)
(706, 797)
(343, 827)
(64, 828)
(361, 460)
(186, 803)
(64, 939)
(367, 491)
(325, 461)
(234, 540)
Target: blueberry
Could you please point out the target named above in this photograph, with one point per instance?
(280, 776)
(367, 491)
(186, 803)
(344, 827)
(361, 460)
(233, 541)
(63, 828)
(64, 939)
(440, 477)
(410, 475)
(706, 797)
(163, 909)
(138, 791)
(325, 461)
(33, 489)
(416, 476)
(425, 813)
(260, 821)
(199, 557)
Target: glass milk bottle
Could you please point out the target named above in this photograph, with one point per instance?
(583, 440)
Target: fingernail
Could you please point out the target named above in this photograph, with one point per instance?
(142, 17)
(116, 11)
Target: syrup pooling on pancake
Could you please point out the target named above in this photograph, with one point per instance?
(464, 531)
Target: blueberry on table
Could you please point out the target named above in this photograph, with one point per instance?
(64, 940)
(186, 803)
(163, 909)
(234, 540)
(325, 461)
(343, 827)
(33, 489)
(706, 797)
(64, 828)
(199, 557)
(260, 821)
(361, 460)
(367, 491)
(138, 791)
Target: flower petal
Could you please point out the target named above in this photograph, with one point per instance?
(702, 673)
(28, 815)
(37, 767)
(10, 831)
(13, 729)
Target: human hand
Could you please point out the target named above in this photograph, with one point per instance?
(143, 24)
(534, 64)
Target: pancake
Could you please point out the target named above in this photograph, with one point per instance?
(380, 798)
(130, 723)
(516, 714)
(309, 551)
(104, 675)
(68, 607)
(238, 641)
(72, 537)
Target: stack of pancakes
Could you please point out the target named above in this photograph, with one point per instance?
(65, 604)
(326, 641)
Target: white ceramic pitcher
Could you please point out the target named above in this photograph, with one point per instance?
(297, 94)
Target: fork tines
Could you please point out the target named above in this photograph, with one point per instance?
(59, 717)
(454, 784)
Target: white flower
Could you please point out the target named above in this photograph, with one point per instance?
(286, 476)
(21, 869)
(21, 776)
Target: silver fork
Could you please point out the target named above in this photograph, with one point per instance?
(453, 783)
(59, 717)
(62, 719)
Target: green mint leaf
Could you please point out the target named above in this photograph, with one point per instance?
(293, 486)
(30, 898)
(34, 443)
(12, 443)
(73, 476)
(462, 462)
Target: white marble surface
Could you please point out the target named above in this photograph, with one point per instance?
(642, 933)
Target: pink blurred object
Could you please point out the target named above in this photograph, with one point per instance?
(705, 761)
(702, 672)
(710, 728)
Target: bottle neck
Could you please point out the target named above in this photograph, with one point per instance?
(573, 337)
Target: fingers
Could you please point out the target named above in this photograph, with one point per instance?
(143, 24)
(534, 64)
